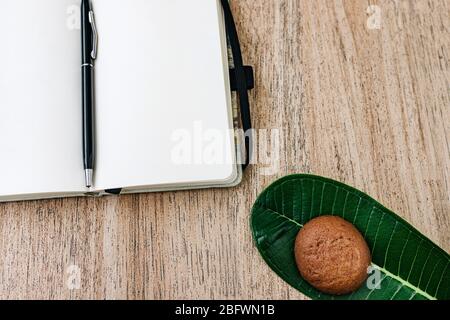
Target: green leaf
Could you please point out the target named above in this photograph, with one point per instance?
(411, 266)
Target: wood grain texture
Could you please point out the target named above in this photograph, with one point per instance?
(369, 107)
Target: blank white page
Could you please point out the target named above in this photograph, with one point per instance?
(40, 112)
(161, 71)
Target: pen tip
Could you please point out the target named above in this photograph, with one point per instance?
(89, 175)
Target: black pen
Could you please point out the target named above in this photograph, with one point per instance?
(89, 40)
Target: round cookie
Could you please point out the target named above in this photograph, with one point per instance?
(332, 255)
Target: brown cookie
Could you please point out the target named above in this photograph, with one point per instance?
(332, 255)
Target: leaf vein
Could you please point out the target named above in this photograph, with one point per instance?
(368, 221)
(345, 205)
(431, 276)
(403, 250)
(357, 210)
(334, 200)
(442, 277)
(405, 283)
(400, 287)
(312, 200)
(321, 199)
(389, 244)
(377, 232)
(424, 265)
(414, 260)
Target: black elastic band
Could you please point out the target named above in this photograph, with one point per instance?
(241, 79)
(116, 192)
(250, 81)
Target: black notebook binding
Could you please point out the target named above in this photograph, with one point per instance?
(241, 80)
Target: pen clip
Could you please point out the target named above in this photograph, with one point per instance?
(95, 35)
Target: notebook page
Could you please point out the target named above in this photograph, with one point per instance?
(40, 110)
(161, 79)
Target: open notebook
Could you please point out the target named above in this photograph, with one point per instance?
(163, 103)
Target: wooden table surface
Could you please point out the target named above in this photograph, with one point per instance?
(360, 94)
